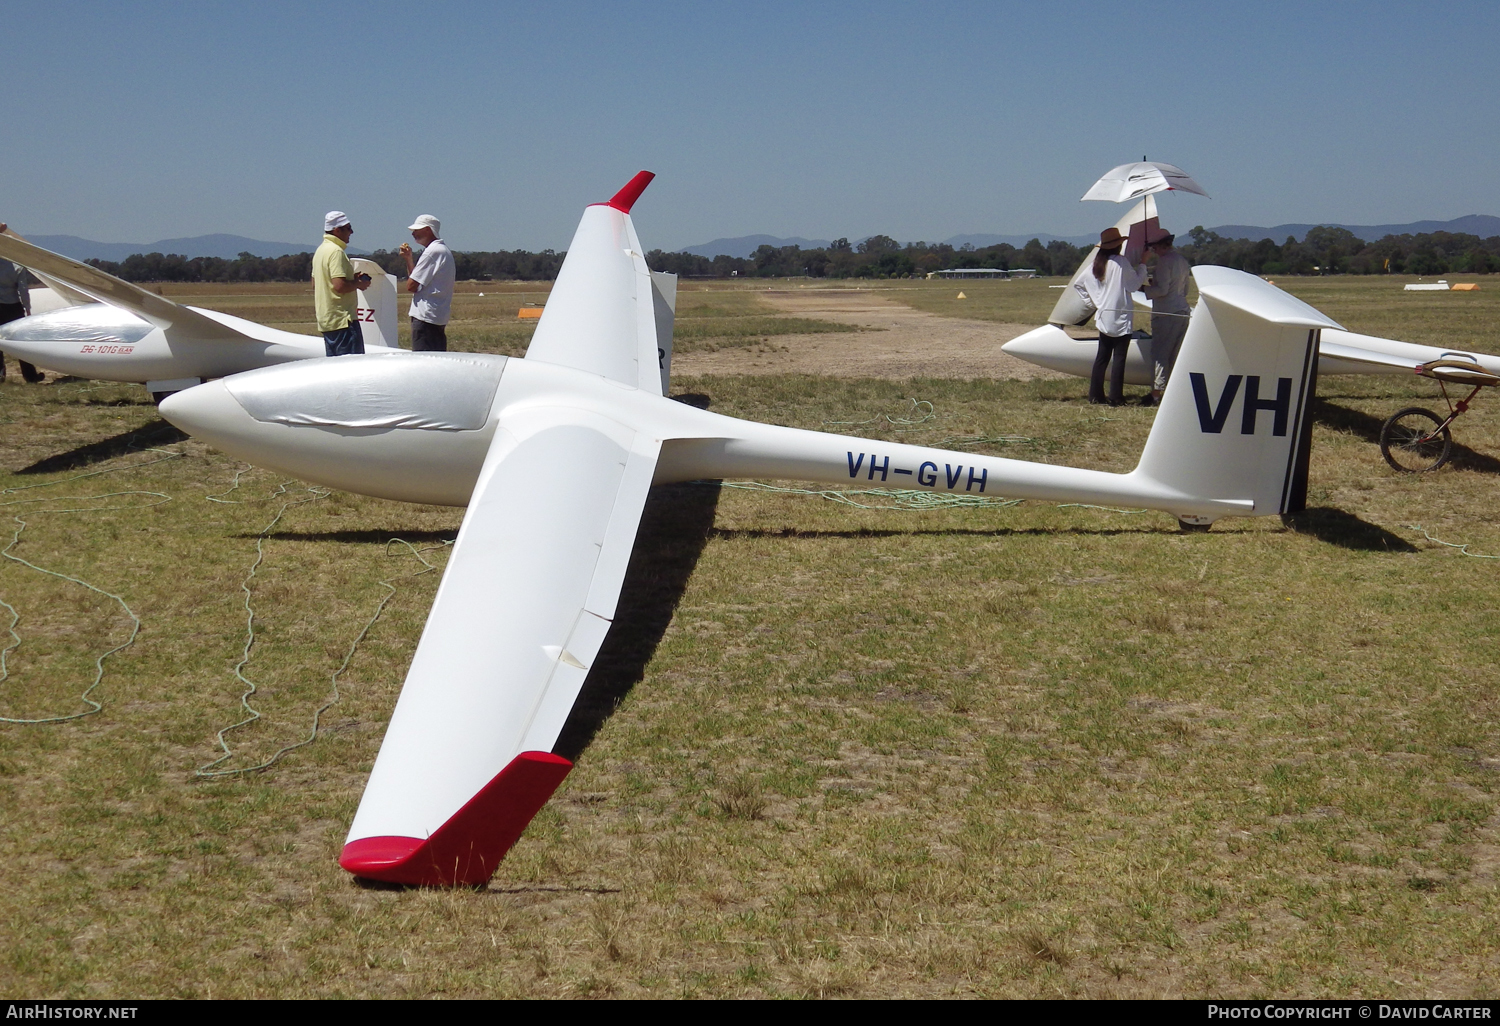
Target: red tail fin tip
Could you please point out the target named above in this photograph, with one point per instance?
(626, 197)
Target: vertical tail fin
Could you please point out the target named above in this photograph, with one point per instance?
(377, 306)
(1235, 419)
(601, 316)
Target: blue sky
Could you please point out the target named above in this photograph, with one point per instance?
(921, 121)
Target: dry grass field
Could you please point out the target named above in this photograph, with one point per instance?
(829, 750)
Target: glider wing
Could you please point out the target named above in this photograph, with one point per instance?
(601, 315)
(524, 605)
(106, 288)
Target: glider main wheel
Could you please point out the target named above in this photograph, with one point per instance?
(1412, 442)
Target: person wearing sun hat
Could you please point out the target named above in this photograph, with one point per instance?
(1167, 291)
(430, 281)
(334, 283)
(1108, 286)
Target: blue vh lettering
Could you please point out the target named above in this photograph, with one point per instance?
(1212, 421)
(884, 467)
(984, 475)
(953, 473)
(927, 474)
(1282, 405)
(855, 464)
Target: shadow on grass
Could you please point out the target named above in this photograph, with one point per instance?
(1342, 418)
(359, 537)
(157, 432)
(1344, 529)
(675, 527)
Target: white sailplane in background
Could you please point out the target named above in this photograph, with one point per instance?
(554, 455)
(95, 325)
(1340, 352)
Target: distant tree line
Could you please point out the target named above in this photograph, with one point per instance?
(879, 256)
(1326, 250)
(1323, 251)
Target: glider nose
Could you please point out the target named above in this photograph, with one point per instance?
(1040, 342)
(208, 412)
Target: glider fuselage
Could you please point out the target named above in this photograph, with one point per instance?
(107, 343)
(418, 431)
(1051, 347)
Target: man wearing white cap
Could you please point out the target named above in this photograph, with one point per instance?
(334, 282)
(430, 280)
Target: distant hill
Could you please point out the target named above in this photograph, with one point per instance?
(1482, 225)
(226, 247)
(746, 245)
(1018, 241)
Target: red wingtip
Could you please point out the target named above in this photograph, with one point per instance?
(467, 849)
(626, 197)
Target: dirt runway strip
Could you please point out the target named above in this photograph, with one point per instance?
(899, 343)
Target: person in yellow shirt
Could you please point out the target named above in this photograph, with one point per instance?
(334, 282)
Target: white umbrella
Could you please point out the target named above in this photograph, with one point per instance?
(1132, 181)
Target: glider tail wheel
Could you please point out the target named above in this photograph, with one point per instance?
(1416, 440)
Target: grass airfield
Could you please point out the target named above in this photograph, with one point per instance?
(1010, 750)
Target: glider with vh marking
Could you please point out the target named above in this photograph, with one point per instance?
(554, 454)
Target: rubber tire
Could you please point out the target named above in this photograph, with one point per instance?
(1396, 441)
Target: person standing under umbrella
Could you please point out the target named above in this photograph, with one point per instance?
(1169, 309)
(1108, 288)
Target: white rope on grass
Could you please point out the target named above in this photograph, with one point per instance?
(314, 494)
(910, 419)
(949, 443)
(1461, 547)
(135, 621)
(207, 770)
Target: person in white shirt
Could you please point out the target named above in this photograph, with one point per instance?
(1108, 287)
(1167, 291)
(430, 280)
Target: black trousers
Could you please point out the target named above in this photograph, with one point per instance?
(428, 338)
(14, 312)
(1112, 352)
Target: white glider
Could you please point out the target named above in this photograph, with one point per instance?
(112, 330)
(554, 455)
(1340, 351)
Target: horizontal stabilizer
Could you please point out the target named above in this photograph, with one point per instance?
(1258, 298)
(1354, 354)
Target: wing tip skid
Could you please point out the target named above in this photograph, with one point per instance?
(626, 197)
(466, 850)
